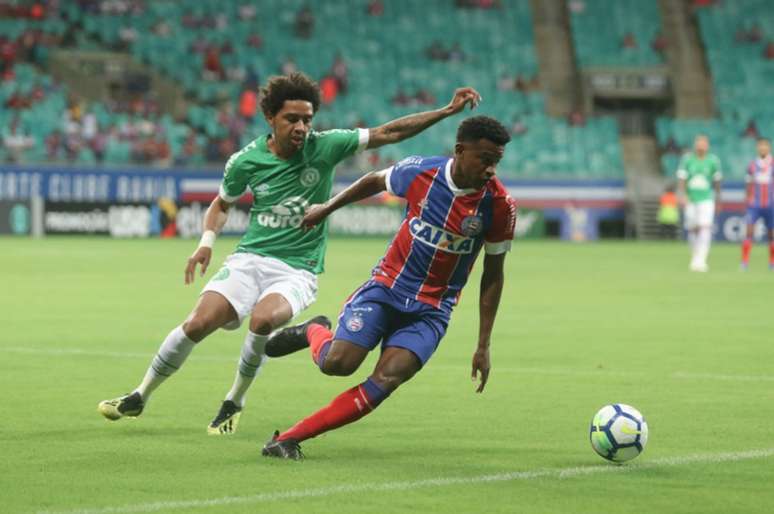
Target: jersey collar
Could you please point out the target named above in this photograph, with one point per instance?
(454, 189)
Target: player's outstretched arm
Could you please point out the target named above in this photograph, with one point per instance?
(368, 185)
(492, 281)
(411, 125)
(214, 220)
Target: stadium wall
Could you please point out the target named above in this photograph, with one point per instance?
(136, 202)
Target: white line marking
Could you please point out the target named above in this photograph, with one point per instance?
(98, 353)
(712, 376)
(557, 473)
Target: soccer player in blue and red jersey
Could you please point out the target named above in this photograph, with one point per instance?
(455, 207)
(760, 200)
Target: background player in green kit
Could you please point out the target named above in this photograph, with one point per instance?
(272, 275)
(698, 189)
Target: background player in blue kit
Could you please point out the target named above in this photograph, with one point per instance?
(760, 200)
(455, 206)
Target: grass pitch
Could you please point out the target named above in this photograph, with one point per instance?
(579, 326)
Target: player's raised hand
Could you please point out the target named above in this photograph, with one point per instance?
(314, 215)
(481, 366)
(463, 96)
(201, 256)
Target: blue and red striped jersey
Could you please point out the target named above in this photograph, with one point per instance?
(760, 173)
(445, 227)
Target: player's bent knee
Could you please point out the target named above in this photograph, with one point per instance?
(261, 326)
(338, 365)
(389, 381)
(197, 328)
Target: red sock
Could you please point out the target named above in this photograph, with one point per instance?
(349, 406)
(318, 336)
(746, 246)
(771, 253)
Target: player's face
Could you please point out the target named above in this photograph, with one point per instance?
(701, 145)
(292, 124)
(764, 148)
(477, 162)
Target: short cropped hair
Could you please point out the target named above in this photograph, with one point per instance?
(483, 127)
(296, 86)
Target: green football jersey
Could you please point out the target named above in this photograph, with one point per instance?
(283, 189)
(699, 174)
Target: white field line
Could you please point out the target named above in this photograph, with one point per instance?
(516, 370)
(512, 476)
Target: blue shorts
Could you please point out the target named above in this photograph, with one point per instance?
(756, 213)
(375, 313)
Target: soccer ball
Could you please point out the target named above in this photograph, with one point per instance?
(618, 432)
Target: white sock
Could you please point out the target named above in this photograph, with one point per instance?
(250, 361)
(693, 239)
(703, 242)
(171, 355)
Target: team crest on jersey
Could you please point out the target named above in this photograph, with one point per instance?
(440, 238)
(472, 225)
(309, 177)
(355, 323)
(261, 190)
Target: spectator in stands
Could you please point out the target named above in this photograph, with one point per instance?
(255, 41)
(659, 44)
(437, 52)
(248, 104)
(751, 130)
(7, 58)
(401, 98)
(288, 66)
(424, 97)
(576, 118)
(340, 72)
(375, 8)
(54, 144)
(329, 89)
(672, 146)
(518, 127)
(16, 142)
(456, 53)
(304, 24)
(768, 52)
(751, 35)
(213, 69)
(247, 12)
(190, 150)
(628, 41)
(521, 84)
(506, 83)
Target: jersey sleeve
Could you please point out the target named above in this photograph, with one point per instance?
(338, 144)
(501, 233)
(235, 179)
(682, 171)
(402, 174)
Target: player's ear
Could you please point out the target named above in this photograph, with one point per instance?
(458, 148)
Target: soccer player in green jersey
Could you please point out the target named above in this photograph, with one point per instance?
(272, 275)
(699, 176)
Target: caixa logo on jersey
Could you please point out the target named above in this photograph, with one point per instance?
(440, 238)
(288, 214)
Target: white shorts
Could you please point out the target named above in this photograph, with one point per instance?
(247, 278)
(700, 214)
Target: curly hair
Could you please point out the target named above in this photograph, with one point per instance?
(482, 127)
(296, 86)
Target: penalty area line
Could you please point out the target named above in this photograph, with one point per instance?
(513, 476)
